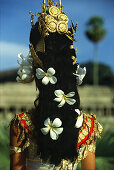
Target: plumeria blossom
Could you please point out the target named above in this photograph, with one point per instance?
(46, 77)
(25, 73)
(79, 118)
(62, 98)
(52, 127)
(80, 73)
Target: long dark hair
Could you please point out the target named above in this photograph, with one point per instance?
(57, 55)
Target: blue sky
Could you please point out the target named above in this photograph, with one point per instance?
(15, 29)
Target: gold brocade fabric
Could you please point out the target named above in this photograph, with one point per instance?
(86, 143)
(24, 121)
(14, 149)
(88, 132)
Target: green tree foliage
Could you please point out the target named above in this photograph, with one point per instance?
(105, 74)
(8, 76)
(95, 30)
(4, 142)
(95, 33)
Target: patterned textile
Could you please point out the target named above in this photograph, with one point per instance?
(88, 132)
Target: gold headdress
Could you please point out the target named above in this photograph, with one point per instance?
(53, 19)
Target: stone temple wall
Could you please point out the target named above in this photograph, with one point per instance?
(16, 97)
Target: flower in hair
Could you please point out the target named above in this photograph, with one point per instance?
(80, 73)
(79, 118)
(62, 98)
(25, 72)
(46, 77)
(53, 127)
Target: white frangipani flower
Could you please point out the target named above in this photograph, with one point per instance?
(79, 120)
(53, 127)
(25, 72)
(46, 77)
(80, 73)
(25, 60)
(62, 98)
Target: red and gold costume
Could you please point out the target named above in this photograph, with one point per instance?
(88, 132)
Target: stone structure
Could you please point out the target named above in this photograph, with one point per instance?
(15, 97)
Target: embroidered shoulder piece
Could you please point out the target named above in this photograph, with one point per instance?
(15, 149)
(88, 132)
(24, 120)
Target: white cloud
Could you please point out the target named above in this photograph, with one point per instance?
(11, 49)
(8, 54)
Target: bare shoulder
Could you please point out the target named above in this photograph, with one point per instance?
(89, 162)
(20, 131)
(15, 132)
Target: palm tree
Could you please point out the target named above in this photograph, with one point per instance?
(95, 33)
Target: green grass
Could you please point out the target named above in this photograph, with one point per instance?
(104, 151)
(102, 163)
(105, 145)
(4, 142)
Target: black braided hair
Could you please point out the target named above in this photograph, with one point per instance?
(58, 56)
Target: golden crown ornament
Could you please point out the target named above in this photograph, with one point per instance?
(53, 19)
